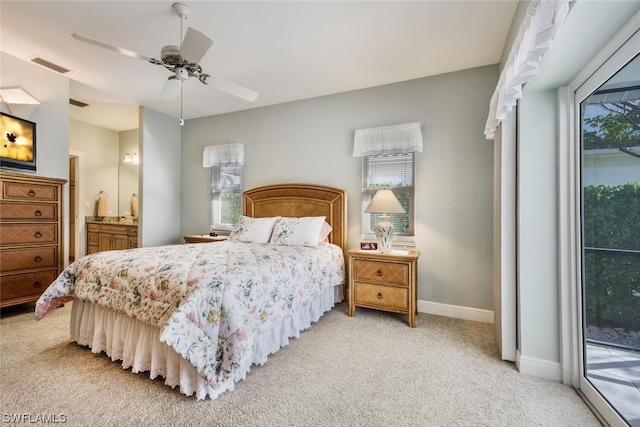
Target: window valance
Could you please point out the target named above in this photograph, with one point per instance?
(223, 154)
(394, 139)
(538, 28)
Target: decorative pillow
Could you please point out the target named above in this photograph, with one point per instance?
(323, 237)
(303, 231)
(253, 230)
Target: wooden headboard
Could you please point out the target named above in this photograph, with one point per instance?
(298, 200)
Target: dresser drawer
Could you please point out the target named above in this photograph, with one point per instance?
(28, 211)
(26, 285)
(381, 272)
(12, 234)
(388, 297)
(28, 191)
(28, 258)
(133, 242)
(132, 231)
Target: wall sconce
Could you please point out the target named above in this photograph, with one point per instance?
(131, 158)
(18, 103)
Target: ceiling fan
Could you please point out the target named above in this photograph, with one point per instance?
(182, 61)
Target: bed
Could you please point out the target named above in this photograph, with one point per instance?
(200, 315)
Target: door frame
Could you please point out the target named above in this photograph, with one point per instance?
(618, 52)
(80, 232)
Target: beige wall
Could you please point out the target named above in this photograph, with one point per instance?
(100, 155)
(312, 141)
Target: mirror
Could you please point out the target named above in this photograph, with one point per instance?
(127, 186)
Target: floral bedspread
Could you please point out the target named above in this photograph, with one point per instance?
(209, 300)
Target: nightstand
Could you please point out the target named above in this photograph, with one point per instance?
(385, 282)
(203, 238)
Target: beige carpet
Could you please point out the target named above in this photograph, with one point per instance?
(368, 370)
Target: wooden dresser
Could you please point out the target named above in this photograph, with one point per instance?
(31, 236)
(111, 237)
(384, 281)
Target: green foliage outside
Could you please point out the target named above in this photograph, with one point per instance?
(612, 280)
(231, 208)
(615, 125)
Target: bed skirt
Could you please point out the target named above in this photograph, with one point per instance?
(138, 346)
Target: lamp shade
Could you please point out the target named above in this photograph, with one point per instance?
(384, 202)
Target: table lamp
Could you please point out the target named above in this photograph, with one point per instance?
(384, 202)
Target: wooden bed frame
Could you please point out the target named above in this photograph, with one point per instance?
(119, 336)
(298, 200)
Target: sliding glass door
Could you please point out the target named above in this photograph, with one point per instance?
(610, 242)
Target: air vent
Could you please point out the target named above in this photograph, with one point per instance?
(77, 103)
(49, 65)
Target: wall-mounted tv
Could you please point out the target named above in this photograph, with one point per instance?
(18, 148)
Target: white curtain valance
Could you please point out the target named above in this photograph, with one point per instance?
(538, 28)
(395, 139)
(223, 154)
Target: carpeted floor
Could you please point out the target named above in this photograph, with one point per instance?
(367, 370)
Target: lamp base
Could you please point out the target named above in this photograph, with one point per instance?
(384, 234)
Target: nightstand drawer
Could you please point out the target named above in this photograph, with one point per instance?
(390, 297)
(381, 272)
(384, 281)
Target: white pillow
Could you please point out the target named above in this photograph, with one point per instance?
(303, 231)
(253, 230)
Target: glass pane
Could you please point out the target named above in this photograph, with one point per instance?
(395, 172)
(226, 196)
(611, 240)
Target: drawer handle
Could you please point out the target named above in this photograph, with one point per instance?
(31, 193)
(38, 258)
(379, 295)
(38, 234)
(37, 284)
(38, 212)
(379, 273)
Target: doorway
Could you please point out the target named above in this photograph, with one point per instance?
(76, 224)
(609, 291)
(73, 213)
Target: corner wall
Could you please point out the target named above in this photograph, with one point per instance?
(312, 141)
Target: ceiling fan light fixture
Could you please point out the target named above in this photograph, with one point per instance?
(182, 61)
(182, 74)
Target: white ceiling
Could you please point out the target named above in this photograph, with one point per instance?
(285, 51)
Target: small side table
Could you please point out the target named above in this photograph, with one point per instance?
(384, 281)
(203, 238)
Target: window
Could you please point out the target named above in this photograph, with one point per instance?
(226, 162)
(226, 196)
(388, 161)
(395, 172)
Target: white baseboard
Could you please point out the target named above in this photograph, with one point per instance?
(538, 367)
(525, 364)
(456, 311)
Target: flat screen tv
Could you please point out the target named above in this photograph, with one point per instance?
(18, 148)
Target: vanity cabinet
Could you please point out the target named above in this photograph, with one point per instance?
(31, 236)
(111, 237)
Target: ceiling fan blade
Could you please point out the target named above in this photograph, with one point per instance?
(194, 45)
(232, 88)
(171, 89)
(113, 48)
